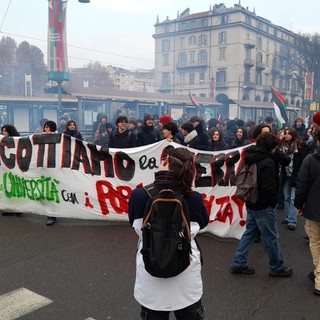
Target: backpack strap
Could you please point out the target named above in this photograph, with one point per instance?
(151, 190)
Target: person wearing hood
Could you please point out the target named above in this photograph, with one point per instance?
(148, 133)
(300, 127)
(262, 216)
(199, 126)
(241, 138)
(307, 201)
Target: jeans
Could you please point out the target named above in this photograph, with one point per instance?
(266, 222)
(193, 312)
(289, 209)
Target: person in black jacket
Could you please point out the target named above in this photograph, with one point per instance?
(148, 133)
(262, 216)
(199, 126)
(122, 137)
(307, 201)
(190, 135)
(241, 138)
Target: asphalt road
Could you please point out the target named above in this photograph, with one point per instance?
(85, 270)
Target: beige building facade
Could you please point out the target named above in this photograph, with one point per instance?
(225, 53)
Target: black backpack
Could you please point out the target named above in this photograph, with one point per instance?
(166, 245)
(247, 184)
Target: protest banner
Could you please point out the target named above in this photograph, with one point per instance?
(57, 175)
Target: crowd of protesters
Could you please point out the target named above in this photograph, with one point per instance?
(296, 182)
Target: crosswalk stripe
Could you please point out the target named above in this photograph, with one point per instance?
(20, 302)
(89, 318)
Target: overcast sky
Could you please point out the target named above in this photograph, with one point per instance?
(119, 32)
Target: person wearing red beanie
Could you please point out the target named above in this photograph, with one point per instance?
(164, 119)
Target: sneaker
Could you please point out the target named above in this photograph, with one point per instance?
(316, 292)
(243, 270)
(291, 227)
(284, 222)
(4, 214)
(50, 222)
(284, 272)
(311, 276)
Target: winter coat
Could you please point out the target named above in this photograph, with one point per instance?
(240, 143)
(126, 139)
(267, 176)
(74, 133)
(307, 196)
(217, 146)
(191, 140)
(148, 135)
(176, 292)
(296, 159)
(203, 142)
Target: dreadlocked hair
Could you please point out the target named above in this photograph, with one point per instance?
(181, 164)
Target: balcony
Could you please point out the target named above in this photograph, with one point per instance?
(248, 63)
(165, 89)
(260, 66)
(221, 85)
(249, 44)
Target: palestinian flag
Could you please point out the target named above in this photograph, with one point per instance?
(280, 105)
(196, 103)
(194, 100)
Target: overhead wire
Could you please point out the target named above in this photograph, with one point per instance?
(4, 17)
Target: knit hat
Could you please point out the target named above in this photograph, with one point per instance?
(165, 119)
(147, 116)
(316, 118)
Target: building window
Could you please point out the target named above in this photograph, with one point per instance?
(259, 79)
(191, 78)
(203, 57)
(165, 81)
(203, 40)
(182, 58)
(165, 45)
(248, 20)
(221, 77)
(182, 43)
(166, 59)
(202, 77)
(224, 18)
(260, 43)
(267, 60)
(192, 40)
(259, 57)
(183, 26)
(192, 57)
(182, 77)
(260, 25)
(222, 37)
(194, 24)
(204, 23)
(222, 53)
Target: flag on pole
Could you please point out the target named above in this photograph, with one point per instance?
(194, 100)
(196, 103)
(280, 104)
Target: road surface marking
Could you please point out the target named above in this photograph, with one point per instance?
(20, 302)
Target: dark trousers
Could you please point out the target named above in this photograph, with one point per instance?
(193, 312)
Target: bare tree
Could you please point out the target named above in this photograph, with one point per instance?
(306, 58)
